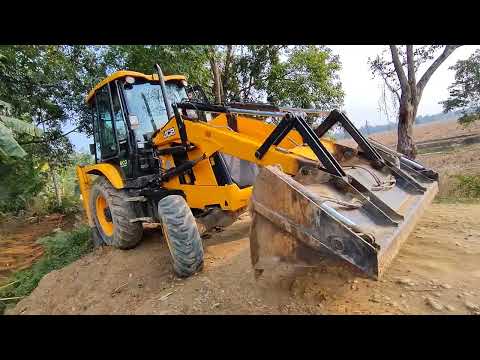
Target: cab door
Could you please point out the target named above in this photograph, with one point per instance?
(105, 137)
(110, 130)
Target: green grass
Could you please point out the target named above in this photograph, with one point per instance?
(469, 185)
(60, 250)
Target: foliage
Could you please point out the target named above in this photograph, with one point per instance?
(26, 183)
(190, 60)
(465, 90)
(468, 185)
(304, 76)
(68, 184)
(20, 182)
(48, 84)
(297, 76)
(60, 250)
(9, 126)
(308, 78)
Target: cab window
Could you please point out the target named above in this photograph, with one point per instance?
(104, 131)
(145, 101)
(118, 116)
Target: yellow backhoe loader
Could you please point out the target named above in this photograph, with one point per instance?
(164, 154)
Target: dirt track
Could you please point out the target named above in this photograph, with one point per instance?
(437, 271)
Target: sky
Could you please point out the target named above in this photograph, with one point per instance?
(362, 91)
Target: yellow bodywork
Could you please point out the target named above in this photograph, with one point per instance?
(111, 172)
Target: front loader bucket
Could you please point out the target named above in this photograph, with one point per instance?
(361, 218)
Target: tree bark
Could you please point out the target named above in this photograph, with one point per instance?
(217, 82)
(57, 190)
(406, 118)
(226, 72)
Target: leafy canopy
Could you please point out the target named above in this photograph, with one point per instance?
(304, 76)
(465, 90)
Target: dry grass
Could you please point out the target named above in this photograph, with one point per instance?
(424, 132)
(430, 131)
(450, 164)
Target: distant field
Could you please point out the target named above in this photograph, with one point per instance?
(425, 132)
(430, 131)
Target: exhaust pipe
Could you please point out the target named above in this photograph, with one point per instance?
(161, 78)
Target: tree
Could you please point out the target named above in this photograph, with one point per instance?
(304, 76)
(308, 78)
(465, 90)
(400, 75)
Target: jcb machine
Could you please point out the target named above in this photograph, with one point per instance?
(164, 154)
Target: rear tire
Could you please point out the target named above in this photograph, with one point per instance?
(115, 230)
(181, 232)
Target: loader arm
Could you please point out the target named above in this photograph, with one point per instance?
(290, 154)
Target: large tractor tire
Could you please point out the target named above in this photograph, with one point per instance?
(111, 214)
(181, 232)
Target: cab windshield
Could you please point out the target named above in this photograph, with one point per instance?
(145, 100)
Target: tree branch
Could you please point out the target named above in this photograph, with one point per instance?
(226, 71)
(390, 87)
(398, 67)
(435, 65)
(48, 140)
(410, 65)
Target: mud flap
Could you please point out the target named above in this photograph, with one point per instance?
(303, 219)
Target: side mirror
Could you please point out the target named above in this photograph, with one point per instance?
(92, 149)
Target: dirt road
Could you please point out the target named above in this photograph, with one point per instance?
(436, 272)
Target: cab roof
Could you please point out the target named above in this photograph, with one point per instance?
(123, 73)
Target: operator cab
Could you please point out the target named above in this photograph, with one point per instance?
(127, 108)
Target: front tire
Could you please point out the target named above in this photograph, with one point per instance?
(111, 215)
(181, 232)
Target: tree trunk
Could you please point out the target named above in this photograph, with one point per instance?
(406, 119)
(57, 190)
(217, 82)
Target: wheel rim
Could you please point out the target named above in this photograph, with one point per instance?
(104, 215)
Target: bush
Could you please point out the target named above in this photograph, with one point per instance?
(60, 250)
(469, 185)
(20, 183)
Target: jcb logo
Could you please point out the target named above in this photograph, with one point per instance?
(169, 132)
